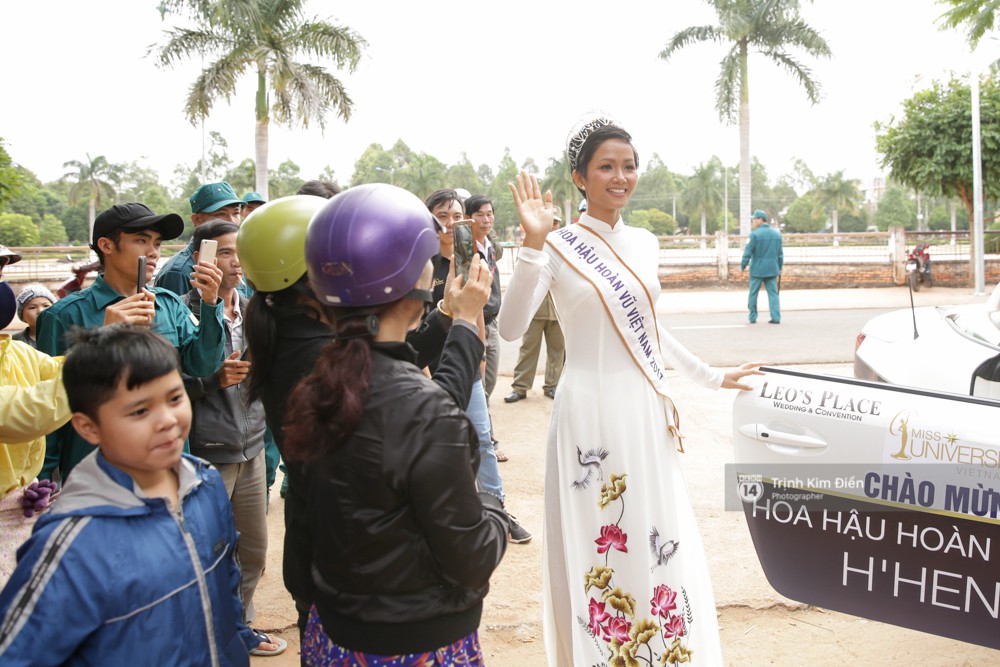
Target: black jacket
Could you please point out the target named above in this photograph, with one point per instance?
(402, 544)
(300, 340)
(226, 426)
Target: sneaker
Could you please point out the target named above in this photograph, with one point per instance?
(517, 535)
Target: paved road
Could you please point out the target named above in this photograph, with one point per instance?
(803, 337)
(726, 339)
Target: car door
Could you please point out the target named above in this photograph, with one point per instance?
(873, 500)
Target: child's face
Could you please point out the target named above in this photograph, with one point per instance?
(33, 309)
(141, 430)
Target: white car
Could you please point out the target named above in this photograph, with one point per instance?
(873, 499)
(939, 348)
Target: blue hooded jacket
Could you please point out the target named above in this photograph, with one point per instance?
(111, 577)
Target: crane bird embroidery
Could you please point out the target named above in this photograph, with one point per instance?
(589, 463)
(662, 550)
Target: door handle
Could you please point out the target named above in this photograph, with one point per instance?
(769, 435)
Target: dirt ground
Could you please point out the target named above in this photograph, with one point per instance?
(758, 626)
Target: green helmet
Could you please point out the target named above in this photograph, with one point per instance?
(272, 241)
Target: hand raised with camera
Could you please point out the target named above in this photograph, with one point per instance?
(469, 298)
(207, 278)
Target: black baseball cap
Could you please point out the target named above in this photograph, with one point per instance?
(134, 218)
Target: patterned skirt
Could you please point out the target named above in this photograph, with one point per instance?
(319, 651)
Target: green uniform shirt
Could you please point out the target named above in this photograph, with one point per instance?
(201, 347)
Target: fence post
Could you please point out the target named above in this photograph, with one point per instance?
(722, 253)
(897, 253)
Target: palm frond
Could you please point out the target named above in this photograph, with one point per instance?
(799, 71)
(342, 45)
(795, 33)
(727, 86)
(702, 33)
(217, 80)
(183, 43)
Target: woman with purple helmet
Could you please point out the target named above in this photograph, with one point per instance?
(402, 544)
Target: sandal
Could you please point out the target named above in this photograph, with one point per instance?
(501, 457)
(278, 642)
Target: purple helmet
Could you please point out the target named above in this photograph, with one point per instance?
(368, 246)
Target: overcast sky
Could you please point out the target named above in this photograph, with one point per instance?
(449, 77)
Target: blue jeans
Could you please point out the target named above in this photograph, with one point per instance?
(489, 470)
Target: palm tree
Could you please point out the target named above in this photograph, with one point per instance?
(703, 194)
(768, 27)
(263, 37)
(92, 181)
(834, 192)
(558, 179)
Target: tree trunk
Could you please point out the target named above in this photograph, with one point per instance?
(260, 134)
(836, 226)
(744, 144)
(704, 227)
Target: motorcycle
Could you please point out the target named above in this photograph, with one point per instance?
(918, 267)
(75, 283)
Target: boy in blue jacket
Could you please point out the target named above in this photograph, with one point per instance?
(134, 563)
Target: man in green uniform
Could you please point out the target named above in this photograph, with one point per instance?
(123, 234)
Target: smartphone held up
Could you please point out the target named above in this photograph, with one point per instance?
(465, 248)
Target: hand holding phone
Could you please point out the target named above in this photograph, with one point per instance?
(465, 248)
(206, 252)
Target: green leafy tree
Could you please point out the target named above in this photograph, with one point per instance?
(423, 175)
(558, 179)
(834, 193)
(286, 179)
(265, 39)
(11, 178)
(17, 230)
(803, 217)
(702, 193)
(499, 192)
(463, 175)
(92, 181)
(656, 187)
(929, 149)
(895, 209)
(659, 222)
(242, 177)
(373, 166)
(768, 27)
(977, 16)
(51, 231)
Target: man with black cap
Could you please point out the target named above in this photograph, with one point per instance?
(211, 201)
(123, 234)
(766, 259)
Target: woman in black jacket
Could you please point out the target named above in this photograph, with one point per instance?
(402, 545)
(286, 329)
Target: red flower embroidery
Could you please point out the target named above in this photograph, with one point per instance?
(664, 601)
(611, 536)
(597, 616)
(618, 629)
(673, 626)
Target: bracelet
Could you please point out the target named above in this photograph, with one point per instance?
(444, 312)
